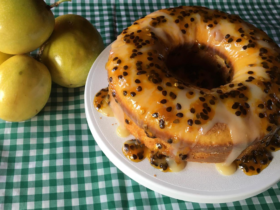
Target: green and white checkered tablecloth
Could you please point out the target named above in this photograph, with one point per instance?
(52, 160)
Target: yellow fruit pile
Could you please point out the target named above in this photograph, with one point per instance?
(68, 46)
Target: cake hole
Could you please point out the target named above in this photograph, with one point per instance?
(199, 66)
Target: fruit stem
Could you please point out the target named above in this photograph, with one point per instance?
(40, 51)
(57, 3)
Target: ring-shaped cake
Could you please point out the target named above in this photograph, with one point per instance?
(195, 84)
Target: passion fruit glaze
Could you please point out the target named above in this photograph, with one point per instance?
(184, 110)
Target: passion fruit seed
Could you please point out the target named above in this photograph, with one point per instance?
(134, 150)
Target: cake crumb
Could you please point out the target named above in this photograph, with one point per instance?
(155, 175)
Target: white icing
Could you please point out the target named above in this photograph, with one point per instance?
(122, 131)
(174, 166)
(226, 170)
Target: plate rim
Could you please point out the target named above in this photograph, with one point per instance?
(137, 175)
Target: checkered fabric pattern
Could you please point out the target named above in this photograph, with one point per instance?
(52, 160)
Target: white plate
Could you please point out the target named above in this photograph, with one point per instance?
(196, 183)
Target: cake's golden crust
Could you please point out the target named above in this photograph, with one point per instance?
(209, 125)
(212, 153)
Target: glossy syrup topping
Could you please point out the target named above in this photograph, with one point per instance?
(134, 150)
(102, 102)
(165, 163)
(175, 109)
(254, 161)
